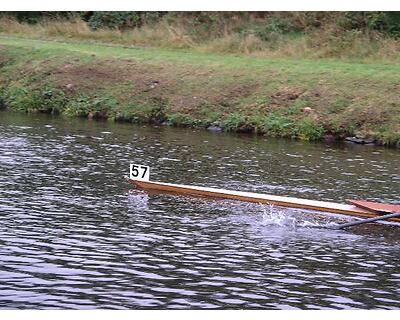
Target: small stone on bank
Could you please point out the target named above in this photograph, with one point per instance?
(358, 140)
(214, 129)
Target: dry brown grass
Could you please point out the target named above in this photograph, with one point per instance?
(159, 35)
(233, 43)
(11, 25)
(329, 42)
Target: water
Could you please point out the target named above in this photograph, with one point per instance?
(73, 234)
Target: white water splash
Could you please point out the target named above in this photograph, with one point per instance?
(138, 201)
(272, 216)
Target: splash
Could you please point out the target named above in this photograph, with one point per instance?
(138, 200)
(272, 216)
(283, 218)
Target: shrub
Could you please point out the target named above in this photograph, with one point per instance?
(180, 119)
(277, 126)
(122, 19)
(234, 121)
(308, 129)
(2, 96)
(386, 22)
(152, 110)
(152, 17)
(393, 23)
(388, 137)
(53, 100)
(207, 112)
(114, 20)
(156, 110)
(47, 100)
(275, 26)
(78, 107)
(257, 122)
(83, 106)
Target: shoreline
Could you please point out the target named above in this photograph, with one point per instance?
(302, 100)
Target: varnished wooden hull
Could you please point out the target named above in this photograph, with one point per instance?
(290, 202)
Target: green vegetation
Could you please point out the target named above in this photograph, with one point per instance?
(278, 126)
(179, 119)
(25, 99)
(294, 98)
(93, 107)
(366, 36)
(309, 129)
(152, 111)
(234, 122)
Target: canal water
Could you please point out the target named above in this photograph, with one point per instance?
(75, 235)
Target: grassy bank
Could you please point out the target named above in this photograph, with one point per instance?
(301, 35)
(296, 98)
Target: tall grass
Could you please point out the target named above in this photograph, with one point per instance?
(327, 42)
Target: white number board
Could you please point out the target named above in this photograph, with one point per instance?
(139, 172)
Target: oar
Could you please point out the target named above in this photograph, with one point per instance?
(355, 223)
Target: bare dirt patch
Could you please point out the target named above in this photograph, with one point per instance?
(185, 89)
(104, 74)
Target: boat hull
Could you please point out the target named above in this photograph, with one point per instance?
(289, 202)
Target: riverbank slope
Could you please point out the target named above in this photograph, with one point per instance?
(303, 99)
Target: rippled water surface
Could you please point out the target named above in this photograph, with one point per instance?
(73, 234)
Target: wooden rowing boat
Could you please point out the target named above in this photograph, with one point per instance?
(346, 209)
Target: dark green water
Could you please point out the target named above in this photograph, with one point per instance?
(73, 234)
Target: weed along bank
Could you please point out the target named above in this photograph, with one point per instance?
(274, 94)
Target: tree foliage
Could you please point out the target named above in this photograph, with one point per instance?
(268, 23)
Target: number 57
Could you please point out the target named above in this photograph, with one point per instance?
(139, 172)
